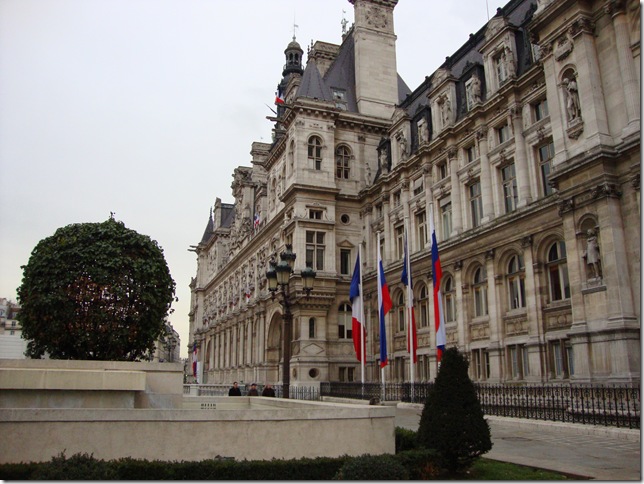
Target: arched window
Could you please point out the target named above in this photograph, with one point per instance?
(315, 152)
(311, 328)
(449, 300)
(558, 272)
(423, 307)
(479, 288)
(342, 158)
(400, 311)
(344, 321)
(516, 282)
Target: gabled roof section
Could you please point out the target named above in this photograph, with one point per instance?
(312, 85)
(210, 230)
(227, 215)
(340, 75)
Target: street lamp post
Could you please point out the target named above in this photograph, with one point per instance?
(278, 276)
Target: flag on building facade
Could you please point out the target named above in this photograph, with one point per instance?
(357, 325)
(278, 99)
(247, 293)
(437, 274)
(256, 221)
(384, 305)
(412, 337)
(194, 359)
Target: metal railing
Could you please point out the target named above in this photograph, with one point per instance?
(211, 390)
(617, 406)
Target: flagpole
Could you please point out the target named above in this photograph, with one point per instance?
(363, 322)
(410, 308)
(383, 334)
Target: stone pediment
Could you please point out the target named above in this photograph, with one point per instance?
(494, 26)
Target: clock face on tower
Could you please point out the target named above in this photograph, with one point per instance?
(376, 17)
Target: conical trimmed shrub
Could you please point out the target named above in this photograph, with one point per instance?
(452, 422)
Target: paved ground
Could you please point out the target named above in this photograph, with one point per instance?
(586, 451)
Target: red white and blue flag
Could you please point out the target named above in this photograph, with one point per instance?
(412, 337)
(194, 359)
(279, 99)
(437, 274)
(357, 325)
(256, 221)
(384, 306)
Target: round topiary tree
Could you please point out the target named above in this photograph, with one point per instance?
(452, 420)
(95, 291)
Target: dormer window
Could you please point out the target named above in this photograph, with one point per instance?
(315, 214)
(340, 98)
(501, 68)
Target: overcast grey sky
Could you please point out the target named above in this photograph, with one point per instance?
(145, 107)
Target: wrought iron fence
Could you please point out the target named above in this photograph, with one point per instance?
(617, 406)
(210, 390)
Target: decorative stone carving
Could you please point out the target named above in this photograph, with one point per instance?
(566, 206)
(563, 48)
(605, 190)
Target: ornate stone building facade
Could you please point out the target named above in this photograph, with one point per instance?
(525, 147)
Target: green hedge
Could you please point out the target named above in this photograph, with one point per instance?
(410, 464)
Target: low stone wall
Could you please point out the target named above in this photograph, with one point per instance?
(89, 384)
(120, 409)
(241, 427)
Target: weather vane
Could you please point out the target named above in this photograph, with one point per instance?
(295, 26)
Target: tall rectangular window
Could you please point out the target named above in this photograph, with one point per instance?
(518, 361)
(418, 186)
(397, 199)
(510, 195)
(540, 110)
(446, 217)
(421, 229)
(546, 155)
(503, 133)
(399, 231)
(470, 154)
(345, 262)
(476, 204)
(315, 250)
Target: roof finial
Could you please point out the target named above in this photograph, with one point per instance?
(344, 23)
(295, 26)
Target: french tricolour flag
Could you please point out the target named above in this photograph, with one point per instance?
(279, 99)
(357, 325)
(437, 274)
(384, 305)
(412, 337)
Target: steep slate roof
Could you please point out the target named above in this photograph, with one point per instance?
(341, 75)
(210, 229)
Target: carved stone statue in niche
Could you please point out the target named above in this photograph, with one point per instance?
(422, 131)
(446, 110)
(573, 108)
(510, 63)
(591, 254)
(382, 161)
(476, 89)
(402, 143)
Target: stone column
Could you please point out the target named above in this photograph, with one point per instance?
(533, 306)
(495, 315)
(457, 211)
(520, 157)
(486, 178)
(627, 71)
(387, 235)
(367, 254)
(460, 304)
